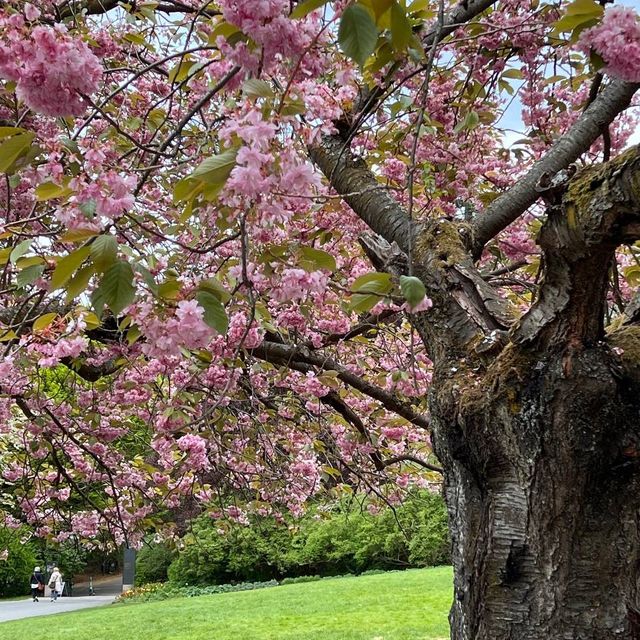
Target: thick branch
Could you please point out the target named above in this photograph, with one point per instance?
(351, 178)
(599, 210)
(568, 148)
(302, 359)
(465, 310)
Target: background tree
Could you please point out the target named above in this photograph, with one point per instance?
(171, 253)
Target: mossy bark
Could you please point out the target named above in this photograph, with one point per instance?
(541, 482)
(540, 440)
(536, 420)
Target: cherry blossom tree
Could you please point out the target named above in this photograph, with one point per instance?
(256, 250)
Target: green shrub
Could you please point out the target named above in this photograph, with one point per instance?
(413, 534)
(342, 541)
(300, 579)
(244, 554)
(16, 570)
(159, 591)
(152, 563)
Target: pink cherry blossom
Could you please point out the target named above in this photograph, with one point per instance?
(617, 40)
(52, 70)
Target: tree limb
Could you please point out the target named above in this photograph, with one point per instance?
(303, 360)
(100, 7)
(351, 177)
(597, 210)
(505, 209)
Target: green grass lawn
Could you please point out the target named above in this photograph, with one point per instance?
(407, 605)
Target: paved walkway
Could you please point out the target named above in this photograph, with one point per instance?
(18, 609)
(106, 590)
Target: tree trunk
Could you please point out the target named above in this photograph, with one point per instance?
(541, 484)
(535, 418)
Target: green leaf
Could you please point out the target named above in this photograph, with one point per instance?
(23, 263)
(412, 290)
(363, 302)
(578, 22)
(585, 7)
(380, 8)
(357, 34)
(29, 274)
(44, 321)
(104, 251)
(19, 250)
(13, 148)
(88, 208)
(224, 29)
(305, 8)
(632, 275)
(78, 284)
(181, 71)
(169, 289)
(5, 132)
(8, 335)
(186, 189)
(91, 320)
(136, 38)
(116, 288)
(214, 287)
(148, 278)
(67, 265)
(255, 88)
(470, 121)
(77, 235)
(314, 259)
(214, 313)
(401, 31)
(5, 254)
(378, 283)
(50, 190)
(596, 60)
(513, 74)
(293, 107)
(216, 170)
(580, 15)
(133, 334)
(370, 288)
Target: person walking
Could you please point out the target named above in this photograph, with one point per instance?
(55, 584)
(37, 584)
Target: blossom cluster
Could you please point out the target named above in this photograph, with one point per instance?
(165, 336)
(53, 70)
(617, 41)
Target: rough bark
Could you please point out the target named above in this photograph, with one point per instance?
(541, 446)
(535, 422)
(541, 476)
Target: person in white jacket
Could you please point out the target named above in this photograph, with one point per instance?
(55, 584)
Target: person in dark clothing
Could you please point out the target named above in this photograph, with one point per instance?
(37, 584)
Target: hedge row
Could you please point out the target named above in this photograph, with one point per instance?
(341, 542)
(165, 590)
(155, 591)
